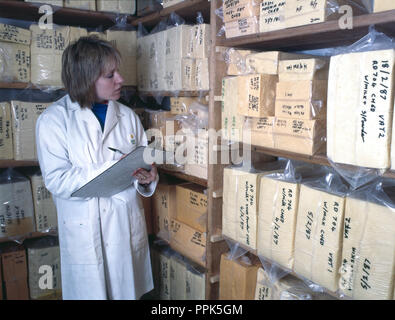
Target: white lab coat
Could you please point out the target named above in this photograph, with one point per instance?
(103, 241)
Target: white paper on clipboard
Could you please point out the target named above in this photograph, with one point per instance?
(119, 176)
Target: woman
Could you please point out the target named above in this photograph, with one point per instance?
(103, 241)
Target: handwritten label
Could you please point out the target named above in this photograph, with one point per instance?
(281, 215)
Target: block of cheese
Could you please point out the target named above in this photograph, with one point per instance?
(300, 109)
(236, 61)
(237, 279)
(195, 283)
(228, 4)
(169, 3)
(303, 69)
(272, 15)
(199, 42)
(302, 90)
(118, 6)
(58, 3)
(76, 33)
(80, 4)
(264, 288)
(177, 41)
(197, 155)
(319, 235)
(188, 241)
(163, 208)
(16, 209)
(9, 33)
(180, 74)
(44, 206)
(240, 12)
(43, 256)
(14, 62)
(178, 272)
(267, 62)
(46, 54)
(360, 108)
(278, 208)
(181, 105)
(368, 256)
(24, 117)
(299, 136)
(142, 64)
(383, 5)
(126, 43)
(242, 27)
(257, 94)
(261, 131)
(6, 144)
(291, 288)
(201, 74)
(160, 60)
(191, 206)
(164, 276)
(303, 12)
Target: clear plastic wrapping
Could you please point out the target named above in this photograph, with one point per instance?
(80, 4)
(368, 256)
(116, 6)
(6, 143)
(16, 211)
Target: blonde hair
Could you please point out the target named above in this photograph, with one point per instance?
(83, 62)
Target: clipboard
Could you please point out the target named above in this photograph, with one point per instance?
(119, 176)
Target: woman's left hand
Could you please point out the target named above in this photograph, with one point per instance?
(145, 177)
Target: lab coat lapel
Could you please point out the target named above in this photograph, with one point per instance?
(112, 118)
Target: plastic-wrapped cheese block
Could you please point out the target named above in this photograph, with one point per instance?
(178, 272)
(201, 81)
(126, 43)
(14, 62)
(6, 144)
(278, 205)
(272, 15)
(177, 41)
(142, 64)
(24, 118)
(242, 27)
(118, 6)
(263, 289)
(368, 257)
(80, 4)
(16, 208)
(164, 265)
(9, 33)
(318, 238)
(46, 54)
(383, 5)
(360, 108)
(242, 11)
(58, 3)
(199, 42)
(303, 69)
(235, 59)
(195, 283)
(160, 56)
(257, 94)
(261, 131)
(303, 12)
(44, 206)
(291, 288)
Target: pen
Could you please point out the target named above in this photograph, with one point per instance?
(116, 150)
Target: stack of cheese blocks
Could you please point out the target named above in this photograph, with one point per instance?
(14, 54)
(175, 59)
(360, 109)
(281, 14)
(241, 17)
(300, 110)
(44, 255)
(188, 229)
(251, 94)
(176, 278)
(16, 208)
(48, 45)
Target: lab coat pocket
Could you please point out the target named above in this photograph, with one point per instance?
(139, 230)
(78, 243)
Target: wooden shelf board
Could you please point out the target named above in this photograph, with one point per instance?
(64, 16)
(174, 93)
(187, 10)
(183, 176)
(31, 235)
(17, 163)
(24, 85)
(320, 35)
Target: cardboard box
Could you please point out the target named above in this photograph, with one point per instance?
(300, 136)
(192, 206)
(163, 208)
(44, 206)
(80, 4)
(15, 275)
(6, 144)
(16, 210)
(272, 15)
(261, 131)
(9, 33)
(383, 5)
(257, 94)
(126, 43)
(303, 69)
(178, 272)
(15, 62)
(188, 241)
(117, 6)
(241, 12)
(237, 279)
(242, 27)
(24, 117)
(39, 256)
(315, 90)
